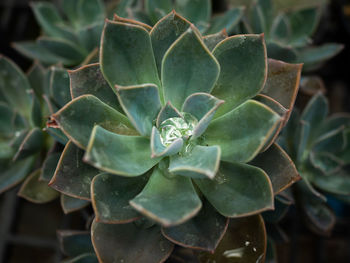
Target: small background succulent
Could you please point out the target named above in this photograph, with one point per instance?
(320, 148)
(70, 37)
(288, 29)
(147, 138)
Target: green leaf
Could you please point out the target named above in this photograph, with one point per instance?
(126, 55)
(36, 76)
(84, 258)
(75, 243)
(89, 80)
(111, 195)
(164, 34)
(333, 141)
(49, 166)
(131, 21)
(227, 21)
(202, 106)
(282, 83)
(72, 176)
(7, 128)
(212, 40)
(67, 50)
(201, 162)
(15, 173)
(301, 140)
(275, 216)
(129, 243)
(57, 134)
(37, 191)
(49, 20)
(278, 166)
(156, 9)
(33, 50)
(198, 12)
(162, 201)
(334, 122)
(189, 58)
(243, 63)
(77, 120)
(141, 104)
(168, 111)
(14, 86)
(36, 113)
(31, 144)
(90, 11)
(313, 57)
(242, 132)
(337, 183)
(244, 241)
(326, 162)
(159, 150)
(204, 231)
(89, 36)
(119, 154)
(238, 190)
(71, 204)
(59, 86)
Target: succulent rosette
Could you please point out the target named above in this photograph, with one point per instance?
(164, 127)
(70, 37)
(319, 146)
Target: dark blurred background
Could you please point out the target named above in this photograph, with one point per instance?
(28, 231)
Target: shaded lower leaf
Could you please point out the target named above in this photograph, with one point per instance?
(244, 241)
(75, 243)
(227, 21)
(278, 166)
(31, 144)
(162, 201)
(238, 190)
(49, 166)
(337, 183)
(70, 204)
(37, 191)
(204, 231)
(72, 176)
(15, 173)
(111, 195)
(84, 258)
(129, 244)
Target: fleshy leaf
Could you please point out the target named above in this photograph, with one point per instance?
(164, 33)
(74, 243)
(111, 195)
(333, 142)
(244, 241)
(119, 154)
(212, 40)
(159, 150)
(131, 21)
(238, 190)
(282, 83)
(77, 120)
(168, 111)
(127, 56)
(189, 58)
(71, 204)
(59, 86)
(31, 144)
(15, 173)
(242, 132)
(49, 166)
(89, 80)
(243, 63)
(278, 166)
(228, 20)
(200, 162)
(141, 104)
(204, 231)
(162, 201)
(37, 191)
(36, 113)
(198, 12)
(278, 51)
(12, 83)
(326, 162)
(129, 243)
(72, 176)
(337, 183)
(202, 106)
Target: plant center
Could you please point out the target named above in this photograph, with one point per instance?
(176, 127)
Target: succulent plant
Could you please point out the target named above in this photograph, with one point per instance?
(320, 148)
(150, 135)
(69, 39)
(288, 31)
(198, 12)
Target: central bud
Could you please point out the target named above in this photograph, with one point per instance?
(177, 127)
